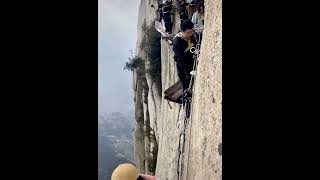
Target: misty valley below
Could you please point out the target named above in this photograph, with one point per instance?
(114, 142)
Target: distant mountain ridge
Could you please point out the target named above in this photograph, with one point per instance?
(114, 142)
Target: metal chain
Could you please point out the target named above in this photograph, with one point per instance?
(193, 77)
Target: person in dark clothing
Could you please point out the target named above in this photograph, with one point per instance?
(183, 10)
(159, 10)
(182, 43)
(167, 8)
(196, 2)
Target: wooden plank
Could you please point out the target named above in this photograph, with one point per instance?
(176, 86)
(174, 92)
(178, 94)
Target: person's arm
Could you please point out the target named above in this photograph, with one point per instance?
(194, 18)
(147, 177)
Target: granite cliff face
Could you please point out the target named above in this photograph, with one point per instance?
(180, 148)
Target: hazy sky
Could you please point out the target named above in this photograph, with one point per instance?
(117, 34)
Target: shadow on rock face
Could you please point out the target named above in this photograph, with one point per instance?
(220, 149)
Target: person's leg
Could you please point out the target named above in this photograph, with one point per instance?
(188, 69)
(186, 95)
(182, 75)
(170, 24)
(170, 29)
(161, 15)
(186, 83)
(166, 24)
(167, 20)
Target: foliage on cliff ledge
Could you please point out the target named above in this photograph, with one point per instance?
(151, 45)
(135, 62)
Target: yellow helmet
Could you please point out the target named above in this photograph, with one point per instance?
(125, 172)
